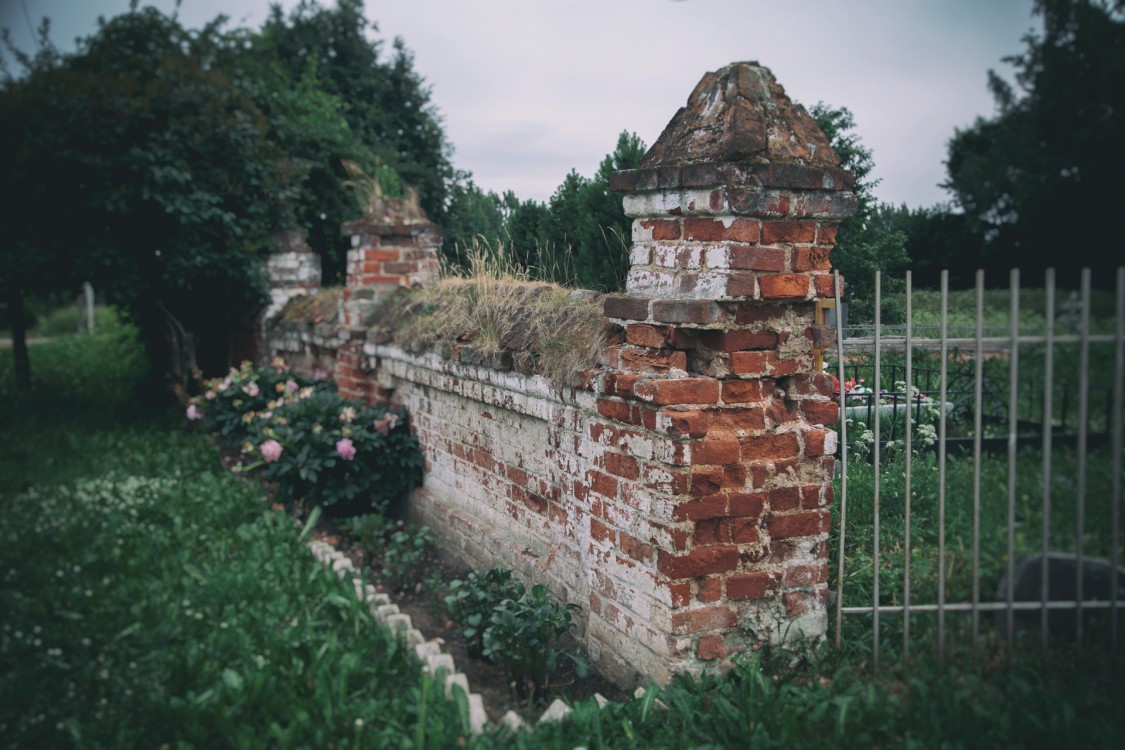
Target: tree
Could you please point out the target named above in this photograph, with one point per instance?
(157, 163)
(386, 104)
(867, 241)
(1039, 181)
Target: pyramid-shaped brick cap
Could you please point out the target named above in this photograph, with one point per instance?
(741, 114)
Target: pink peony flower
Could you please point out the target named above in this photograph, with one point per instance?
(291, 386)
(193, 414)
(209, 395)
(346, 448)
(347, 414)
(319, 374)
(251, 390)
(271, 451)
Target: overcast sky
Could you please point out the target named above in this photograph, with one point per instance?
(529, 89)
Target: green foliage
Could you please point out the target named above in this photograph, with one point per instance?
(524, 638)
(471, 602)
(149, 600)
(342, 455)
(385, 102)
(93, 374)
(868, 241)
(403, 555)
(579, 237)
(1042, 173)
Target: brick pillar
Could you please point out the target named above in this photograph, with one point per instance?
(293, 270)
(394, 246)
(735, 212)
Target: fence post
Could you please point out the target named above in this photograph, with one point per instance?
(735, 212)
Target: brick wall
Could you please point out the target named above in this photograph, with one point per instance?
(680, 491)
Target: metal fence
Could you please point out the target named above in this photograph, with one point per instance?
(960, 374)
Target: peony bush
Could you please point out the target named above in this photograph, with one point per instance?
(317, 447)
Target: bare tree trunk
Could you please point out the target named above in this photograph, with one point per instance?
(20, 359)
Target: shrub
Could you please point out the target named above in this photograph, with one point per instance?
(471, 602)
(318, 447)
(524, 638)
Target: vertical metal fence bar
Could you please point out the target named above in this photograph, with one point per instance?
(906, 441)
(977, 419)
(1083, 430)
(842, 547)
(1115, 455)
(1048, 431)
(943, 386)
(1013, 425)
(875, 483)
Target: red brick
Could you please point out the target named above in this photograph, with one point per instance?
(764, 447)
(757, 312)
(757, 259)
(742, 284)
(599, 532)
(710, 647)
(742, 530)
(678, 391)
(738, 340)
(751, 585)
(705, 481)
(700, 562)
(666, 480)
(744, 391)
(784, 286)
(663, 230)
(784, 498)
(806, 523)
(634, 547)
(710, 531)
(402, 268)
(744, 505)
(625, 306)
(601, 483)
(381, 254)
(620, 384)
(788, 231)
(811, 259)
(782, 367)
(686, 311)
(595, 603)
(825, 286)
(697, 620)
(710, 589)
(653, 360)
(816, 442)
(642, 334)
(712, 230)
(818, 411)
(680, 593)
(751, 363)
(715, 452)
(799, 576)
(622, 465)
(693, 424)
(826, 234)
(738, 421)
(798, 603)
(712, 506)
(618, 410)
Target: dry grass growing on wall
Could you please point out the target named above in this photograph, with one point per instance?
(495, 307)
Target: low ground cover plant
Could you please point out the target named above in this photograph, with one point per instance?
(471, 601)
(156, 601)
